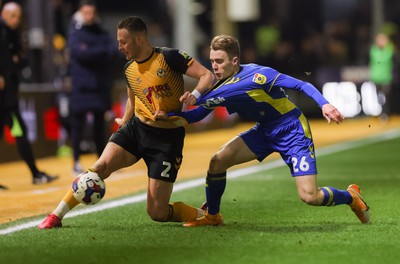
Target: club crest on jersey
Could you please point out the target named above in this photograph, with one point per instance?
(161, 73)
(259, 78)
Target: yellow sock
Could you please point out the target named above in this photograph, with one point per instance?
(70, 200)
(184, 213)
(67, 203)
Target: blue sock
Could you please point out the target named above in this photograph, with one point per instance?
(215, 187)
(334, 197)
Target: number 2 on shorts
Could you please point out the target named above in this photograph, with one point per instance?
(165, 172)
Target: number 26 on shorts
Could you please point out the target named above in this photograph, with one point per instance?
(303, 165)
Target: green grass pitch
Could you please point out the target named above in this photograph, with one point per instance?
(265, 222)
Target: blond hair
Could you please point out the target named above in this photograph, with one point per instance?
(228, 44)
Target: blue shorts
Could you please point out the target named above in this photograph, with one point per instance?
(292, 140)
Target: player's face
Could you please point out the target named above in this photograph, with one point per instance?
(222, 66)
(128, 44)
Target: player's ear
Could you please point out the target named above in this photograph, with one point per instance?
(235, 61)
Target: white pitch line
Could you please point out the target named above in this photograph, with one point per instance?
(47, 190)
(391, 134)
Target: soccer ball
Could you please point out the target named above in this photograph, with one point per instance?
(88, 188)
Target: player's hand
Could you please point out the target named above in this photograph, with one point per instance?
(188, 98)
(120, 122)
(2, 83)
(159, 114)
(331, 113)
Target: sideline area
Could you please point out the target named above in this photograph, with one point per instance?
(26, 200)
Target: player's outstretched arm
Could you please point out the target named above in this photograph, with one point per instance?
(328, 111)
(193, 115)
(331, 113)
(205, 81)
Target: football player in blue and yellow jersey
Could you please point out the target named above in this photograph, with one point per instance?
(155, 84)
(257, 93)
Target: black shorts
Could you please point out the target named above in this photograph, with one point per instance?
(160, 148)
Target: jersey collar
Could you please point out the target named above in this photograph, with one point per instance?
(148, 58)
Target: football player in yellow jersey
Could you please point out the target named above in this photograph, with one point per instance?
(155, 84)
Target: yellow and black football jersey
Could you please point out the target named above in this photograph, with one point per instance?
(157, 82)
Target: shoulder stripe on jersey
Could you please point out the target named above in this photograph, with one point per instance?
(273, 83)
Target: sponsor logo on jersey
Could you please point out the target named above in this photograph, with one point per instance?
(213, 102)
(157, 91)
(259, 78)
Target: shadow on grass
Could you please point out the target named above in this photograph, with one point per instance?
(327, 227)
(272, 228)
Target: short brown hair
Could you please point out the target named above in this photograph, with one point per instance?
(226, 43)
(133, 24)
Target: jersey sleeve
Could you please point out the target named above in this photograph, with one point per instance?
(193, 115)
(286, 81)
(177, 60)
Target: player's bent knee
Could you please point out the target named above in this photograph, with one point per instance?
(217, 163)
(158, 216)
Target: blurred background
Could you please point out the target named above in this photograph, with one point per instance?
(325, 42)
